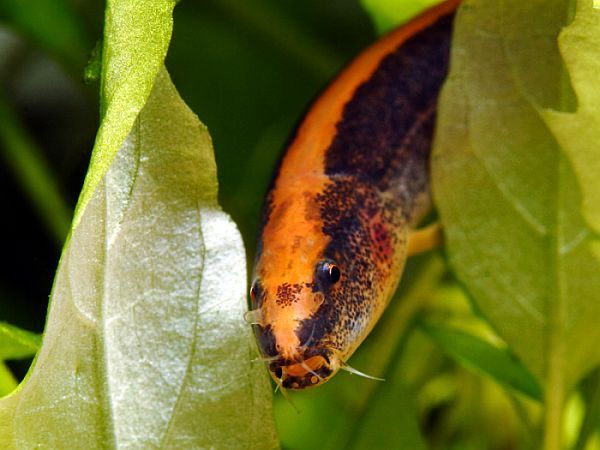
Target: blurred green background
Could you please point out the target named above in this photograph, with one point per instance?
(248, 69)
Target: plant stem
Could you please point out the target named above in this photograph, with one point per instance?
(555, 399)
(557, 317)
(33, 173)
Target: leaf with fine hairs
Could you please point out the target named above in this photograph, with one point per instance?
(145, 344)
(135, 43)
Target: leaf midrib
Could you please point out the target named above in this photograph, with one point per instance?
(556, 295)
(107, 414)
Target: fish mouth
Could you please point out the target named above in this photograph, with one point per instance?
(309, 371)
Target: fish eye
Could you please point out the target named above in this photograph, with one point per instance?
(329, 271)
(334, 273)
(254, 288)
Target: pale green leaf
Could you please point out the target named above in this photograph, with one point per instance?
(387, 14)
(135, 43)
(579, 48)
(451, 306)
(509, 199)
(16, 343)
(145, 344)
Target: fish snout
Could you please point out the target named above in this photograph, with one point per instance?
(313, 368)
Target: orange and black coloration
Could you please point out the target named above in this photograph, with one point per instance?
(352, 184)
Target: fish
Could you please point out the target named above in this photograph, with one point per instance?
(341, 215)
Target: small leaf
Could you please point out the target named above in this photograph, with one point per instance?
(135, 43)
(485, 358)
(93, 68)
(145, 344)
(387, 14)
(16, 343)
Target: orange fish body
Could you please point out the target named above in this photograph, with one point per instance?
(353, 181)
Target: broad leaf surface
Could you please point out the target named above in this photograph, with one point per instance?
(510, 199)
(136, 39)
(145, 345)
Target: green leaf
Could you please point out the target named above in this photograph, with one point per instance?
(93, 68)
(511, 198)
(135, 43)
(510, 201)
(16, 343)
(387, 14)
(451, 306)
(484, 358)
(145, 344)
(579, 47)
(8, 382)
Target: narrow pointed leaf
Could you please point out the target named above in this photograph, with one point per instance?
(16, 343)
(485, 358)
(145, 345)
(8, 381)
